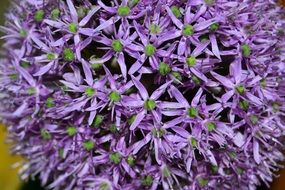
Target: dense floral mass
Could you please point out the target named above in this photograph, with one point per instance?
(145, 94)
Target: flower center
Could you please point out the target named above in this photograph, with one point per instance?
(203, 182)
(149, 104)
(210, 2)
(211, 126)
(192, 112)
(32, 91)
(88, 145)
(89, 91)
(25, 64)
(253, 119)
(50, 56)
(72, 27)
(194, 142)
(246, 50)
(115, 158)
(104, 186)
(68, 54)
(124, 11)
(131, 160)
(244, 105)
(191, 61)
(55, 13)
(196, 80)
(23, 33)
(214, 26)
(240, 89)
(177, 75)
(164, 69)
(114, 96)
(39, 15)
(149, 50)
(146, 180)
(263, 83)
(71, 131)
(117, 46)
(50, 102)
(188, 30)
(113, 128)
(154, 29)
(45, 134)
(13, 76)
(158, 132)
(96, 66)
(175, 10)
(131, 119)
(98, 120)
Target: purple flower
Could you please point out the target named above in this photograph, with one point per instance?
(144, 94)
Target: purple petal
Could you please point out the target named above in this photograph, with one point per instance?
(141, 88)
(72, 10)
(44, 69)
(139, 117)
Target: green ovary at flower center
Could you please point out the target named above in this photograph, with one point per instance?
(175, 10)
(191, 61)
(124, 11)
(192, 112)
(132, 119)
(244, 105)
(104, 186)
(253, 119)
(211, 126)
(117, 46)
(154, 29)
(98, 120)
(188, 30)
(88, 145)
(23, 33)
(89, 91)
(72, 27)
(131, 160)
(214, 26)
(45, 134)
(246, 50)
(115, 158)
(50, 56)
(71, 131)
(68, 54)
(158, 132)
(50, 102)
(164, 69)
(39, 15)
(193, 142)
(240, 89)
(203, 182)
(55, 13)
(114, 96)
(149, 104)
(146, 180)
(149, 50)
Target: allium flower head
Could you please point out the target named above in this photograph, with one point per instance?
(140, 94)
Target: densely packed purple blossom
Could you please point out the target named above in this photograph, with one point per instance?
(145, 94)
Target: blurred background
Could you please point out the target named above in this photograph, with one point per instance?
(9, 179)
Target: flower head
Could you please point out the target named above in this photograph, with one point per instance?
(145, 94)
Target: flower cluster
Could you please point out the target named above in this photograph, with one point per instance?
(145, 94)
